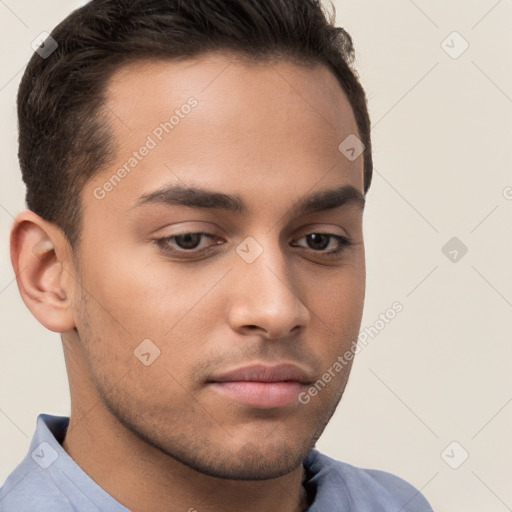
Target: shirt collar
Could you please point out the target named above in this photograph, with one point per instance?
(72, 481)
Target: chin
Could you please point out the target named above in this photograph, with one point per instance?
(250, 463)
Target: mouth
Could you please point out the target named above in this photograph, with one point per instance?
(262, 386)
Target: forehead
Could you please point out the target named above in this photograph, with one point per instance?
(227, 123)
(227, 80)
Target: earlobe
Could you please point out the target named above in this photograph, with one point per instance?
(40, 258)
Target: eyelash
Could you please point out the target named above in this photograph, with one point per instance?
(163, 243)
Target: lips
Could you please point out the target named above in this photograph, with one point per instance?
(262, 386)
(264, 373)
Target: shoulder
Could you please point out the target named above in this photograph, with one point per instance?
(31, 490)
(35, 485)
(364, 489)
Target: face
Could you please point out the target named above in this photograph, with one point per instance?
(203, 318)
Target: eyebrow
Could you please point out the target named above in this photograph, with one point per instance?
(195, 197)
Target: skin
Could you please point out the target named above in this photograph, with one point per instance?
(158, 437)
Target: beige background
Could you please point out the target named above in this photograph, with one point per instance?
(441, 370)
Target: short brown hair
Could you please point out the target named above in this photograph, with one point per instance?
(63, 135)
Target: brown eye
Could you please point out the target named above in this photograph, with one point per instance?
(188, 240)
(185, 244)
(318, 242)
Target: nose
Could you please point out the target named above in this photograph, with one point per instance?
(266, 296)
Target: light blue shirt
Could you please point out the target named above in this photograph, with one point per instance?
(48, 480)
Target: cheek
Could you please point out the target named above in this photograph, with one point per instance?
(138, 293)
(137, 299)
(337, 306)
(338, 293)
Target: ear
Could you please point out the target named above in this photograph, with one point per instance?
(44, 269)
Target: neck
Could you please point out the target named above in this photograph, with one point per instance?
(144, 479)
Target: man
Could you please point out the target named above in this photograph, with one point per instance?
(196, 175)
